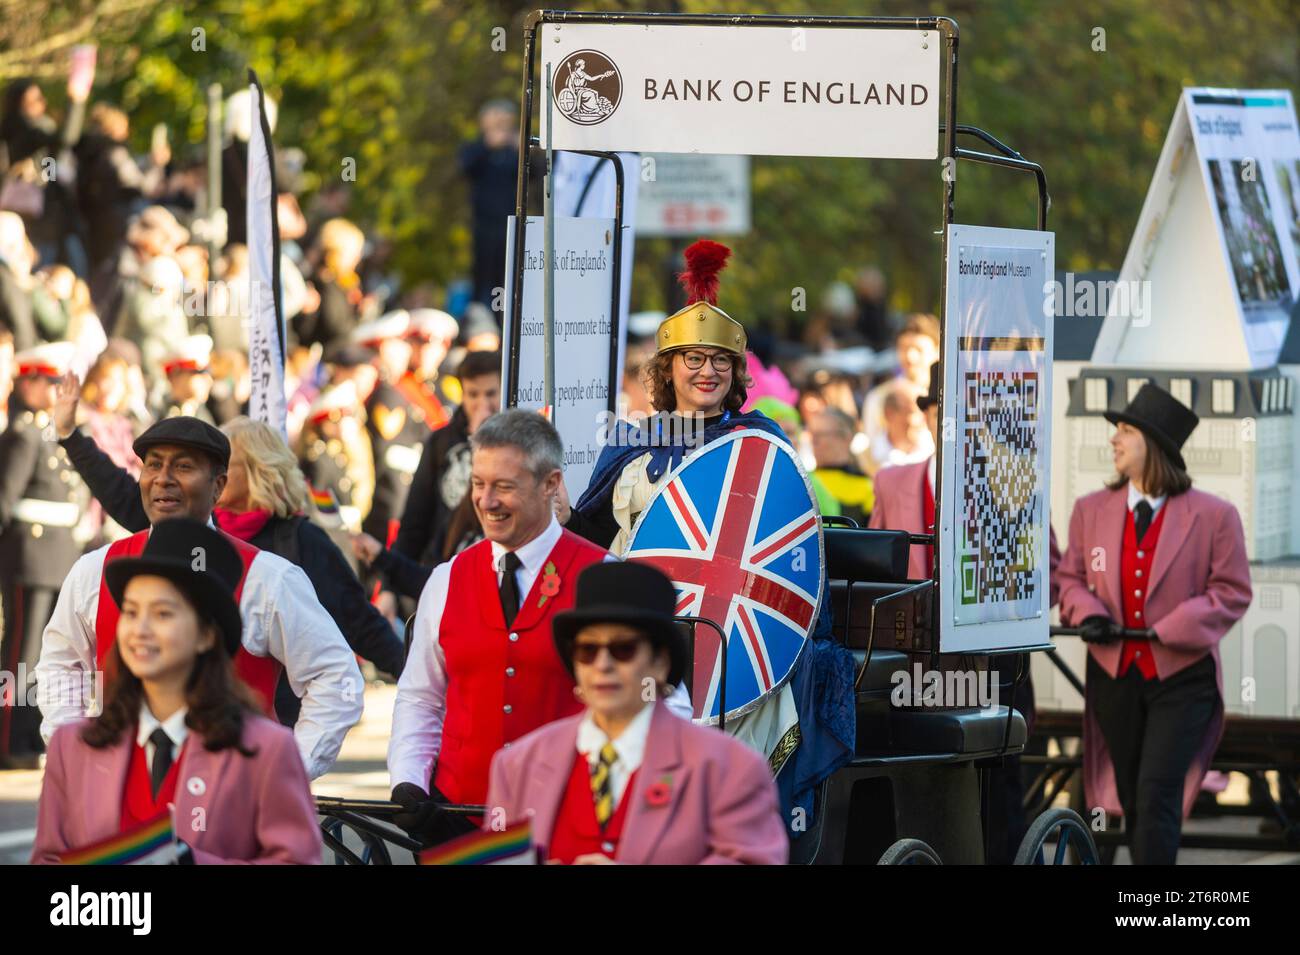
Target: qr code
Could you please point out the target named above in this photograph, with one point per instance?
(999, 494)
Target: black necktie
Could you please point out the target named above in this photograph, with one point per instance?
(1141, 518)
(510, 586)
(162, 759)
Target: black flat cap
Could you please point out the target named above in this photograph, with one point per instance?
(190, 432)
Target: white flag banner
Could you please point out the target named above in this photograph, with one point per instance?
(265, 325)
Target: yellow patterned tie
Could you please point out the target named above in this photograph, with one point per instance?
(601, 790)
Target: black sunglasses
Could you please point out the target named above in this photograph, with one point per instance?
(620, 650)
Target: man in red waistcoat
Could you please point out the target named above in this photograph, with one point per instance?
(483, 670)
(285, 627)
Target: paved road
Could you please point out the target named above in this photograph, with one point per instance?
(361, 774)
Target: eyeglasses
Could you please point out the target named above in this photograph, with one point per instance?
(694, 360)
(620, 650)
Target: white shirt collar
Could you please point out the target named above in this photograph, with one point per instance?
(1134, 495)
(630, 743)
(174, 726)
(532, 554)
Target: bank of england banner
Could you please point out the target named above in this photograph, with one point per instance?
(757, 90)
(584, 251)
(994, 427)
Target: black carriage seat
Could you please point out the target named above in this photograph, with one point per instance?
(863, 565)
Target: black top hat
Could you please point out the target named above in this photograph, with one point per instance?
(932, 396)
(187, 431)
(197, 559)
(624, 592)
(1161, 417)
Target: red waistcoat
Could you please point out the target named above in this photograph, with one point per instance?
(501, 684)
(576, 831)
(1134, 572)
(927, 523)
(138, 802)
(260, 673)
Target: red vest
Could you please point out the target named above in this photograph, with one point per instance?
(138, 802)
(501, 684)
(1134, 573)
(576, 831)
(260, 673)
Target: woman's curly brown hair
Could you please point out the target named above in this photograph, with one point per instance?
(659, 382)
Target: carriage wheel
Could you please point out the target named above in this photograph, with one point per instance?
(910, 852)
(1067, 829)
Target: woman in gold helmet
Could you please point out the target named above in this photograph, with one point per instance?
(697, 382)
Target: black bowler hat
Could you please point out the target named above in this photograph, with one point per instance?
(197, 559)
(186, 431)
(1161, 417)
(932, 396)
(624, 592)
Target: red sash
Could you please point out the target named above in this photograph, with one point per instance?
(260, 673)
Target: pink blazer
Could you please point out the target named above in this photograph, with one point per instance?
(1199, 587)
(900, 506)
(721, 805)
(229, 808)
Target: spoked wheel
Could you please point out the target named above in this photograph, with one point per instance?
(1067, 829)
(910, 852)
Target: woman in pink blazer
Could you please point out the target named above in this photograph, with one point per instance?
(1149, 553)
(178, 733)
(627, 781)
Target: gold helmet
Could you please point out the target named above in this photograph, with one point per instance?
(702, 322)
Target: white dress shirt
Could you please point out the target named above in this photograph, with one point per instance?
(1134, 495)
(174, 726)
(630, 747)
(421, 703)
(281, 619)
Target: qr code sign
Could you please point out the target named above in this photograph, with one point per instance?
(1000, 494)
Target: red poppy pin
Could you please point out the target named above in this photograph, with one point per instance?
(659, 792)
(550, 583)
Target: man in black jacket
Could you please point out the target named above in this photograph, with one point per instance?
(41, 501)
(294, 538)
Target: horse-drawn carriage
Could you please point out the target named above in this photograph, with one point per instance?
(911, 794)
(911, 790)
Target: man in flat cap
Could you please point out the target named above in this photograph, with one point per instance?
(285, 627)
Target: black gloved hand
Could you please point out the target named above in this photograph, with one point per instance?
(419, 809)
(1097, 629)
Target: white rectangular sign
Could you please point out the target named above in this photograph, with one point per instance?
(995, 419)
(756, 90)
(584, 254)
(683, 194)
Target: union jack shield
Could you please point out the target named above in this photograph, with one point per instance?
(737, 530)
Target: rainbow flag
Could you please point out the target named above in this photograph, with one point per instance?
(324, 500)
(152, 842)
(511, 846)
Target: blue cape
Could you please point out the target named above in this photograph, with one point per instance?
(628, 443)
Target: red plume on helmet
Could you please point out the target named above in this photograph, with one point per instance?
(704, 260)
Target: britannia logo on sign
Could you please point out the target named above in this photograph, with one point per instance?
(587, 87)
